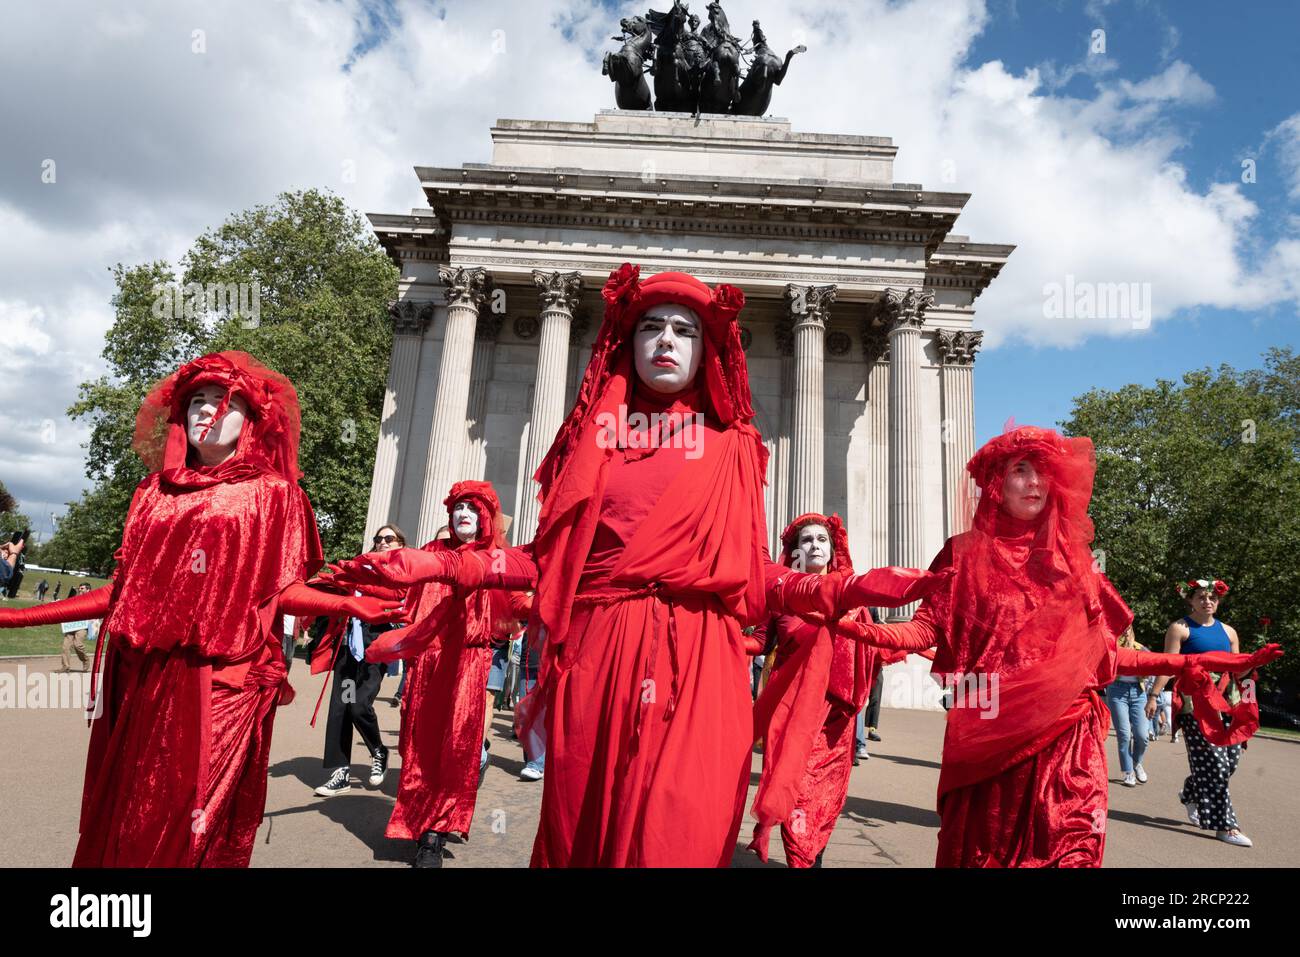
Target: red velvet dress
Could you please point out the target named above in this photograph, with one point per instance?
(650, 726)
(1023, 784)
(177, 764)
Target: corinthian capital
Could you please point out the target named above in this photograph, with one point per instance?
(410, 318)
(465, 284)
(558, 290)
(810, 303)
(959, 348)
(906, 307)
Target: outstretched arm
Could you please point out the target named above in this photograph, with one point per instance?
(916, 635)
(301, 599)
(511, 568)
(93, 604)
(1130, 661)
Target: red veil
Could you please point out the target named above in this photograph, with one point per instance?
(191, 568)
(1025, 607)
(269, 441)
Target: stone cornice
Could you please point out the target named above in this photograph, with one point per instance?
(691, 204)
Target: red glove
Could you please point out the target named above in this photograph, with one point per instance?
(507, 568)
(916, 635)
(300, 599)
(889, 587)
(87, 607)
(401, 566)
(1237, 663)
(1134, 661)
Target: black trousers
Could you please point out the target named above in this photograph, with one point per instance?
(352, 705)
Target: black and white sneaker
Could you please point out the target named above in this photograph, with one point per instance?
(378, 767)
(339, 782)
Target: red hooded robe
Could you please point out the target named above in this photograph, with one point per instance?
(176, 769)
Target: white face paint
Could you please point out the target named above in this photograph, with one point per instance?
(222, 436)
(667, 347)
(812, 550)
(464, 521)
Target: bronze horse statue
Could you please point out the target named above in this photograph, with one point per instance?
(626, 68)
(765, 72)
(673, 87)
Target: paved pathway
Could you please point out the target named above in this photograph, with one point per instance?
(888, 821)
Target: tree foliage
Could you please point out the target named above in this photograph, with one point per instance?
(319, 285)
(1202, 479)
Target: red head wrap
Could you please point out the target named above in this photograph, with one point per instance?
(483, 497)
(840, 559)
(269, 440)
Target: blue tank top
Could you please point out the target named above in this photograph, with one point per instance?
(1211, 637)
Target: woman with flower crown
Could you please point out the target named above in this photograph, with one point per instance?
(1214, 725)
(649, 559)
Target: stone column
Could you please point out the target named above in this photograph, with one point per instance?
(410, 320)
(448, 437)
(558, 294)
(957, 353)
(485, 343)
(904, 316)
(809, 306)
(875, 351)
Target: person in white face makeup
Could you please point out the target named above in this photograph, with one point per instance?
(219, 539)
(821, 678)
(649, 560)
(449, 653)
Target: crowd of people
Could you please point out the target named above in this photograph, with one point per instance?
(646, 594)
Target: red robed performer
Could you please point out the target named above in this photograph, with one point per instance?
(217, 543)
(1026, 629)
(805, 715)
(443, 707)
(649, 558)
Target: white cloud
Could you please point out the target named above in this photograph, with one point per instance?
(1285, 138)
(155, 142)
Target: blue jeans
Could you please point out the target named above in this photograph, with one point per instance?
(860, 730)
(1127, 702)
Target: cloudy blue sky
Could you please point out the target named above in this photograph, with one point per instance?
(1111, 157)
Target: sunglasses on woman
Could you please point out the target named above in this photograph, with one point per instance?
(385, 539)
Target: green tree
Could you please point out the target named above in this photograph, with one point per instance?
(11, 520)
(1201, 478)
(300, 284)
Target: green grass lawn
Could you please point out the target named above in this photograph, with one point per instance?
(43, 639)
